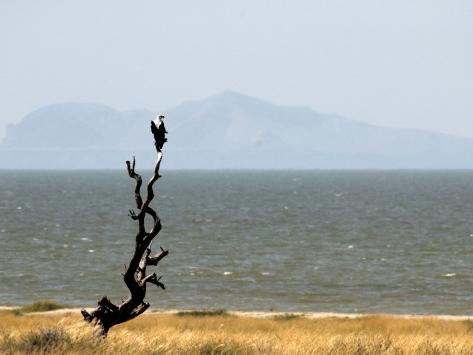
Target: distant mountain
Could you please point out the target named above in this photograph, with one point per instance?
(72, 126)
(228, 130)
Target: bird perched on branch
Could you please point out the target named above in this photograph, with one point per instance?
(159, 132)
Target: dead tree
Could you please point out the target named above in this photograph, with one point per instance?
(107, 314)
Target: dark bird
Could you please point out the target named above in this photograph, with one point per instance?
(159, 132)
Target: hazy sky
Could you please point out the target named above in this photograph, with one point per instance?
(392, 63)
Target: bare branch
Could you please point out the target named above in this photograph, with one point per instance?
(151, 182)
(137, 177)
(157, 258)
(154, 279)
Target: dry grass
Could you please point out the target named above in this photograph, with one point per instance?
(227, 334)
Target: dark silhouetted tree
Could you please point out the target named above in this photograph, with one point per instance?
(107, 314)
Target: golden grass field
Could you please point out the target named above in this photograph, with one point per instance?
(155, 333)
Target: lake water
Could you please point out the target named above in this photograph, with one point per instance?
(342, 241)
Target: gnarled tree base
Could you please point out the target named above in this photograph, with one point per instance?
(106, 315)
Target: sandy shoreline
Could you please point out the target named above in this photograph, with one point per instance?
(266, 314)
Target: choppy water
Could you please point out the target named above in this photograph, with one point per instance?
(297, 241)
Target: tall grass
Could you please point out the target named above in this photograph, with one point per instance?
(220, 334)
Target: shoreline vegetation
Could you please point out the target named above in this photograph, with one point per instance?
(46, 327)
(46, 307)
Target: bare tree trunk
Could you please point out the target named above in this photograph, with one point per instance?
(107, 314)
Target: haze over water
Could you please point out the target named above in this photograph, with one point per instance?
(366, 241)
